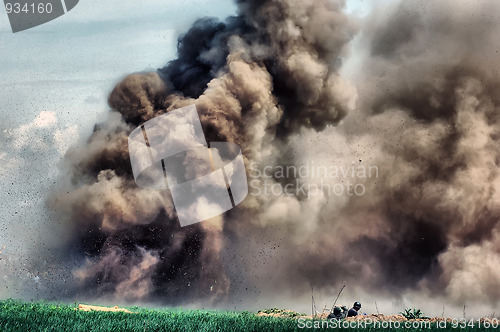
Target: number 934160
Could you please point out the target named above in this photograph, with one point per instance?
(18, 8)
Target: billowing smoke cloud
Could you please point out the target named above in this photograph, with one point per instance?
(430, 91)
(269, 80)
(255, 79)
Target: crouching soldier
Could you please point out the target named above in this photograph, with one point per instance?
(338, 313)
(354, 310)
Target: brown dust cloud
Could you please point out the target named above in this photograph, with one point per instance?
(412, 89)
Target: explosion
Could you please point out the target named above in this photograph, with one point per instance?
(273, 80)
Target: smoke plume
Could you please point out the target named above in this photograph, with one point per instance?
(422, 108)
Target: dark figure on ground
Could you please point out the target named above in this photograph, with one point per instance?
(354, 310)
(338, 313)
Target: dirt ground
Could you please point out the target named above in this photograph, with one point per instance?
(86, 307)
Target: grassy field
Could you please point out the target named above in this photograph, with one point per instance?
(43, 316)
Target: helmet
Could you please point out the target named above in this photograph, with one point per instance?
(357, 305)
(337, 311)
